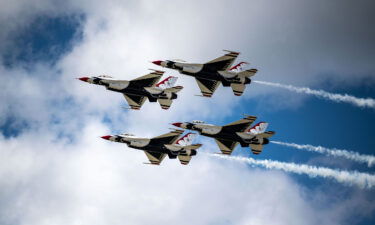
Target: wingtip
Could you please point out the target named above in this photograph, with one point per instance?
(230, 51)
(157, 71)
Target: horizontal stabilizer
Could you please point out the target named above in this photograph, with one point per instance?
(267, 134)
(174, 89)
(247, 73)
(195, 146)
(256, 148)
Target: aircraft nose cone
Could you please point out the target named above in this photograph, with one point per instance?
(83, 79)
(107, 137)
(177, 124)
(157, 62)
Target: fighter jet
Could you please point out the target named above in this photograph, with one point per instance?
(228, 136)
(137, 90)
(210, 74)
(171, 144)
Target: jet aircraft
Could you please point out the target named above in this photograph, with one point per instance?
(171, 144)
(137, 90)
(228, 136)
(209, 75)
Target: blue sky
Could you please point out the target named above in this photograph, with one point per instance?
(44, 39)
(50, 123)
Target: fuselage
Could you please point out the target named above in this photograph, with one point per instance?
(151, 145)
(140, 143)
(126, 87)
(202, 71)
(217, 132)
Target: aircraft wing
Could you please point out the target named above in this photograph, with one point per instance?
(226, 147)
(207, 87)
(135, 101)
(167, 138)
(239, 125)
(223, 62)
(184, 159)
(147, 80)
(155, 158)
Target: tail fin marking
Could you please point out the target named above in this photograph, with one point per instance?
(167, 82)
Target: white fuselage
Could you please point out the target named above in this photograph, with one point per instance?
(183, 67)
(174, 147)
(228, 74)
(191, 68)
(116, 84)
(246, 135)
(135, 141)
(154, 90)
(109, 82)
(208, 128)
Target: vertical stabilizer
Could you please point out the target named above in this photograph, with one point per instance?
(187, 139)
(258, 128)
(167, 82)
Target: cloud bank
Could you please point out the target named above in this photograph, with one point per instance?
(57, 170)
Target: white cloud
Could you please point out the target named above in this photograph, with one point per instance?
(47, 178)
(97, 182)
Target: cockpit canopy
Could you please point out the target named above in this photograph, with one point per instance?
(198, 121)
(105, 76)
(176, 60)
(127, 134)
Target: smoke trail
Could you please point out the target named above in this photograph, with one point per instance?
(361, 102)
(369, 159)
(363, 180)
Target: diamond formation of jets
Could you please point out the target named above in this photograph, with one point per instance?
(172, 144)
(137, 90)
(228, 136)
(209, 75)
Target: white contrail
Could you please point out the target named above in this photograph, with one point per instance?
(369, 159)
(363, 180)
(361, 102)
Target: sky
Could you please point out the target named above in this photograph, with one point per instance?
(55, 168)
